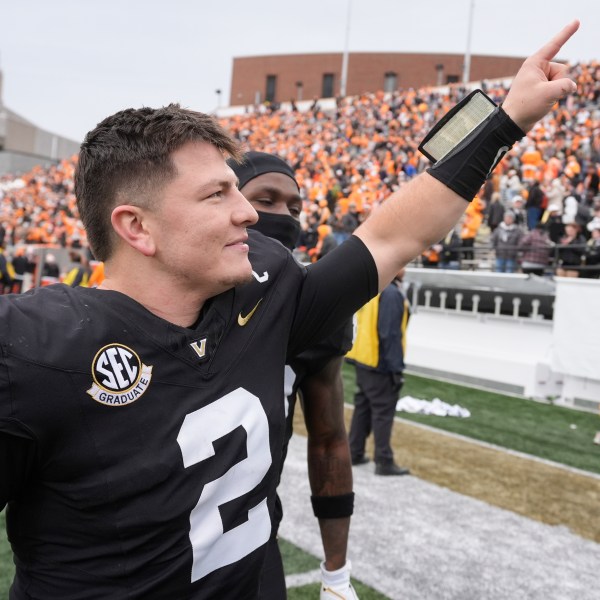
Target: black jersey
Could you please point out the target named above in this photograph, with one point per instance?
(142, 457)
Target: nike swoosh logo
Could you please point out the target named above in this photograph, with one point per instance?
(499, 155)
(243, 320)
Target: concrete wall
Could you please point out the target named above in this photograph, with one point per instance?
(23, 145)
(16, 163)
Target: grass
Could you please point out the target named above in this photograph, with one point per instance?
(310, 592)
(7, 568)
(296, 561)
(547, 431)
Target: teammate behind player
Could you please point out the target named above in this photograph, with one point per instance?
(141, 422)
(269, 184)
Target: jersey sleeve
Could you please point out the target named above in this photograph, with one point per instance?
(334, 288)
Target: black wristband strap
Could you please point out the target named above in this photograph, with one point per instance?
(333, 507)
(467, 165)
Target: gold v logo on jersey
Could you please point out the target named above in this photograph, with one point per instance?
(119, 376)
(243, 320)
(199, 347)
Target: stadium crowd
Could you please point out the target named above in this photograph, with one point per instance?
(538, 213)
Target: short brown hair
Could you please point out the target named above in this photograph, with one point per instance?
(128, 155)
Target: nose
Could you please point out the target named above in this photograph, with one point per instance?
(243, 213)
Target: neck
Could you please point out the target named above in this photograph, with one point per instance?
(158, 293)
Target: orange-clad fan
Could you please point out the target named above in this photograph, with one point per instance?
(97, 276)
(472, 220)
(533, 163)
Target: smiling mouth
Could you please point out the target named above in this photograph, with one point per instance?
(239, 244)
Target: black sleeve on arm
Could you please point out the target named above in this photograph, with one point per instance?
(315, 358)
(335, 287)
(17, 457)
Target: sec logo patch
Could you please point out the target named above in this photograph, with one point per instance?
(119, 376)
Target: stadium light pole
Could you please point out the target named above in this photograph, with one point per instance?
(344, 78)
(467, 61)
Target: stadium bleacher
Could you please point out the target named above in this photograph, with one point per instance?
(354, 150)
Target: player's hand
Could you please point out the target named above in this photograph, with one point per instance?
(540, 83)
(335, 585)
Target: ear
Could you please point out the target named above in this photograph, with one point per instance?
(130, 225)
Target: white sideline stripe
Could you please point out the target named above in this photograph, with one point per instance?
(300, 579)
(516, 453)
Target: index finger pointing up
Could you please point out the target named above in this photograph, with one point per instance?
(549, 50)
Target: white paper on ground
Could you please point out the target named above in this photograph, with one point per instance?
(431, 407)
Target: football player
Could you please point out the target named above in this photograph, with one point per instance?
(141, 422)
(269, 184)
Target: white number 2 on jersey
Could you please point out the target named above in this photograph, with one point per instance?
(212, 548)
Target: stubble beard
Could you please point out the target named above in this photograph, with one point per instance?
(237, 280)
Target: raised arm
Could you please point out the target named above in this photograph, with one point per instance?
(422, 212)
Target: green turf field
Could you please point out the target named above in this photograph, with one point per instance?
(6, 562)
(551, 432)
(297, 561)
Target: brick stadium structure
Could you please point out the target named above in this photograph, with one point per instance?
(281, 78)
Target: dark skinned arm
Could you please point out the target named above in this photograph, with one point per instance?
(329, 464)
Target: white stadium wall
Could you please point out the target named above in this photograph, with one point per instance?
(576, 337)
(554, 358)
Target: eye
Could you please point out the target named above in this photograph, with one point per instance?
(264, 201)
(295, 211)
(217, 194)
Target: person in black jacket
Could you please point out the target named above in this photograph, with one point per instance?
(592, 251)
(495, 211)
(378, 356)
(449, 250)
(6, 279)
(50, 268)
(570, 252)
(534, 205)
(554, 223)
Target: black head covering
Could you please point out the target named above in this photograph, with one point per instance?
(258, 163)
(284, 228)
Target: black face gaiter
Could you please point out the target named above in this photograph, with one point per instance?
(283, 228)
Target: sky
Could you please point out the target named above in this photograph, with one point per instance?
(67, 64)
